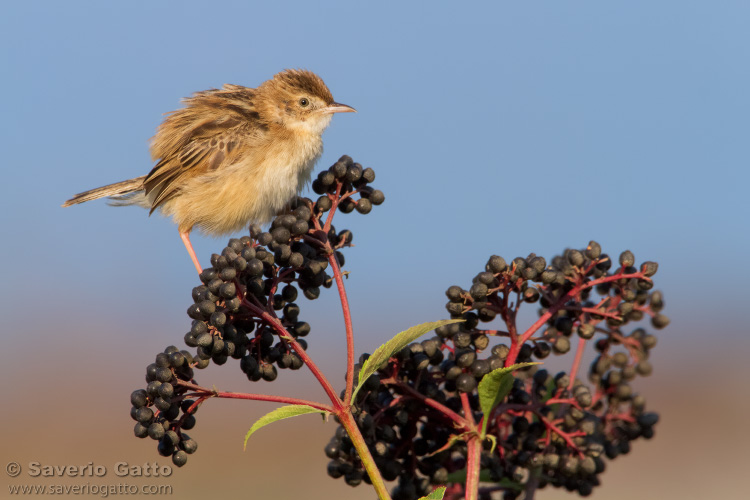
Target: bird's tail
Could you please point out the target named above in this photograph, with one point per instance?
(119, 190)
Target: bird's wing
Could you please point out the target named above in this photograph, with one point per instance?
(210, 133)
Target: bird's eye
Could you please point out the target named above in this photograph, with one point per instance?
(304, 102)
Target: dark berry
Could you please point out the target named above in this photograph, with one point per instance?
(179, 458)
(466, 382)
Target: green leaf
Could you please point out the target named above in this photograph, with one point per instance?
(280, 414)
(485, 476)
(459, 476)
(551, 389)
(493, 388)
(383, 353)
(436, 494)
(506, 483)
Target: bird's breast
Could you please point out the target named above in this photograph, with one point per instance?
(252, 190)
(284, 172)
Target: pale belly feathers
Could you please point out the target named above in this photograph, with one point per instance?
(259, 190)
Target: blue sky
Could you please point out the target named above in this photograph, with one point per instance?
(494, 128)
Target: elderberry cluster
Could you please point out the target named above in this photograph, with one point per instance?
(555, 430)
(161, 411)
(246, 299)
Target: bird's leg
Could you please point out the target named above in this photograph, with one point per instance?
(186, 240)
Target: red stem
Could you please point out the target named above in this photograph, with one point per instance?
(595, 311)
(334, 205)
(368, 462)
(576, 362)
(275, 399)
(468, 413)
(349, 329)
(564, 435)
(563, 401)
(473, 459)
(458, 419)
(347, 316)
(255, 397)
(473, 452)
(283, 333)
(517, 343)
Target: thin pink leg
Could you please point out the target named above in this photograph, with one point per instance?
(186, 240)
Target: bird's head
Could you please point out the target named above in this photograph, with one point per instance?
(300, 101)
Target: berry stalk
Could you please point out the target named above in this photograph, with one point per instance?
(348, 326)
(559, 304)
(358, 441)
(473, 455)
(284, 334)
(204, 392)
(473, 451)
(333, 261)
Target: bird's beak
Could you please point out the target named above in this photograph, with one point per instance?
(335, 107)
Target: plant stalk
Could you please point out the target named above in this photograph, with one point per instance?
(348, 326)
(473, 461)
(348, 422)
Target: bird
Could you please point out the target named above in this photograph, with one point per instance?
(232, 156)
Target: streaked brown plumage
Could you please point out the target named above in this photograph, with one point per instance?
(232, 156)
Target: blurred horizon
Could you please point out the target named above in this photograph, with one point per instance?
(494, 128)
